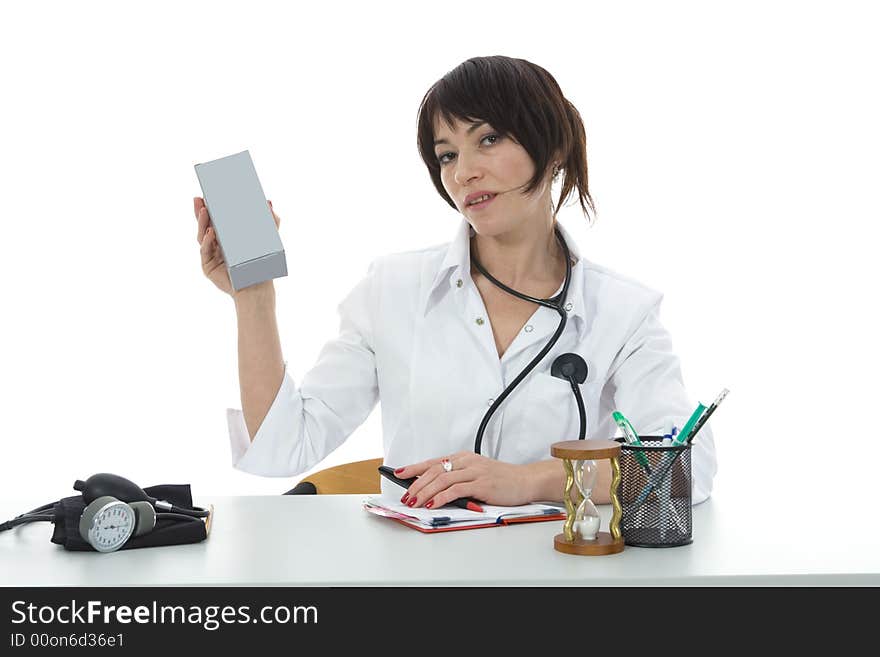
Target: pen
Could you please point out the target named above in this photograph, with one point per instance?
(665, 493)
(670, 458)
(688, 427)
(709, 411)
(655, 481)
(690, 431)
(461, 502)
(631, 437)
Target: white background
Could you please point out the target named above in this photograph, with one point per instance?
(733, 157)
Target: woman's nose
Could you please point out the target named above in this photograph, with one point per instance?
(465, 170)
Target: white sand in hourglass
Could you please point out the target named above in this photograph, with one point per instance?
(587, 519)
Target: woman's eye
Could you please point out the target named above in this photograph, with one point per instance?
(442, 157)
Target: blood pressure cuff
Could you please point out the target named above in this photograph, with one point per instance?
(166, 532)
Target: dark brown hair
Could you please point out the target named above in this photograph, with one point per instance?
(518, 99)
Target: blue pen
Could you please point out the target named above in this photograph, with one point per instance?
(665, 492)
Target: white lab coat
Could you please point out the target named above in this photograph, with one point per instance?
(415, 334)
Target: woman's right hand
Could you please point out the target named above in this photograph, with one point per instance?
(213, 264)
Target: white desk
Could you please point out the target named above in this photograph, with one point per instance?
(331, 541)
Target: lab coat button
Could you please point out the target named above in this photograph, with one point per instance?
(568, 307)
(458, 283)
(491, 401)
(529, 328)
(479, 321)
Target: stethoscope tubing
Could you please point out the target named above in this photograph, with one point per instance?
(556, 303)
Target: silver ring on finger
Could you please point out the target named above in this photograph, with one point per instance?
(447, 464)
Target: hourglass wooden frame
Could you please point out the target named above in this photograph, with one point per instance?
(569, 541)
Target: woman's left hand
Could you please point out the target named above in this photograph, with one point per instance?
(472, 475)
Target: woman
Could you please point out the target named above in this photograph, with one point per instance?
(437, 340)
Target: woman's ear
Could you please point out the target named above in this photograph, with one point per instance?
(556, 162)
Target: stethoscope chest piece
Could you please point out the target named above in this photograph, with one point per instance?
(569, 366)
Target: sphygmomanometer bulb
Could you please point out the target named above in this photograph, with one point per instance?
(106, 484)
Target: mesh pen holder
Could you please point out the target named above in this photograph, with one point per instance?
(655, 493)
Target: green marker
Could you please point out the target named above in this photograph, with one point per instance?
(681, 438)
(631, 437)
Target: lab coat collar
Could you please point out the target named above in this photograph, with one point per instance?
(456, 266)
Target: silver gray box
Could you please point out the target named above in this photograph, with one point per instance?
(243, 223)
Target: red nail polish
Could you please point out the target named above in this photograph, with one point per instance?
(404, 498)
(399, 470)
(412, 502)
(429, 504)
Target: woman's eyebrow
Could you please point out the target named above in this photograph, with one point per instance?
(473, 127)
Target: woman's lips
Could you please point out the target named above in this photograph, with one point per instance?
(480, 206)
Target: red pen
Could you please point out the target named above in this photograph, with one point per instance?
(467, 503)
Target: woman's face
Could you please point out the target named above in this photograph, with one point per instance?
(475, 159)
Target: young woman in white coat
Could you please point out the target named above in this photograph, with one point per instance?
(438, 342)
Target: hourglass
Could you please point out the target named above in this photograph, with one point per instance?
(580, 533)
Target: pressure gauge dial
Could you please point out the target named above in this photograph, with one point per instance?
(107, 523)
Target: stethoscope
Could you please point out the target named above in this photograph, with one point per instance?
(570, 367)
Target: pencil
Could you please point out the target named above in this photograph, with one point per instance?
(709, 411)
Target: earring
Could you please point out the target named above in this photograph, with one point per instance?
(555, 171)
